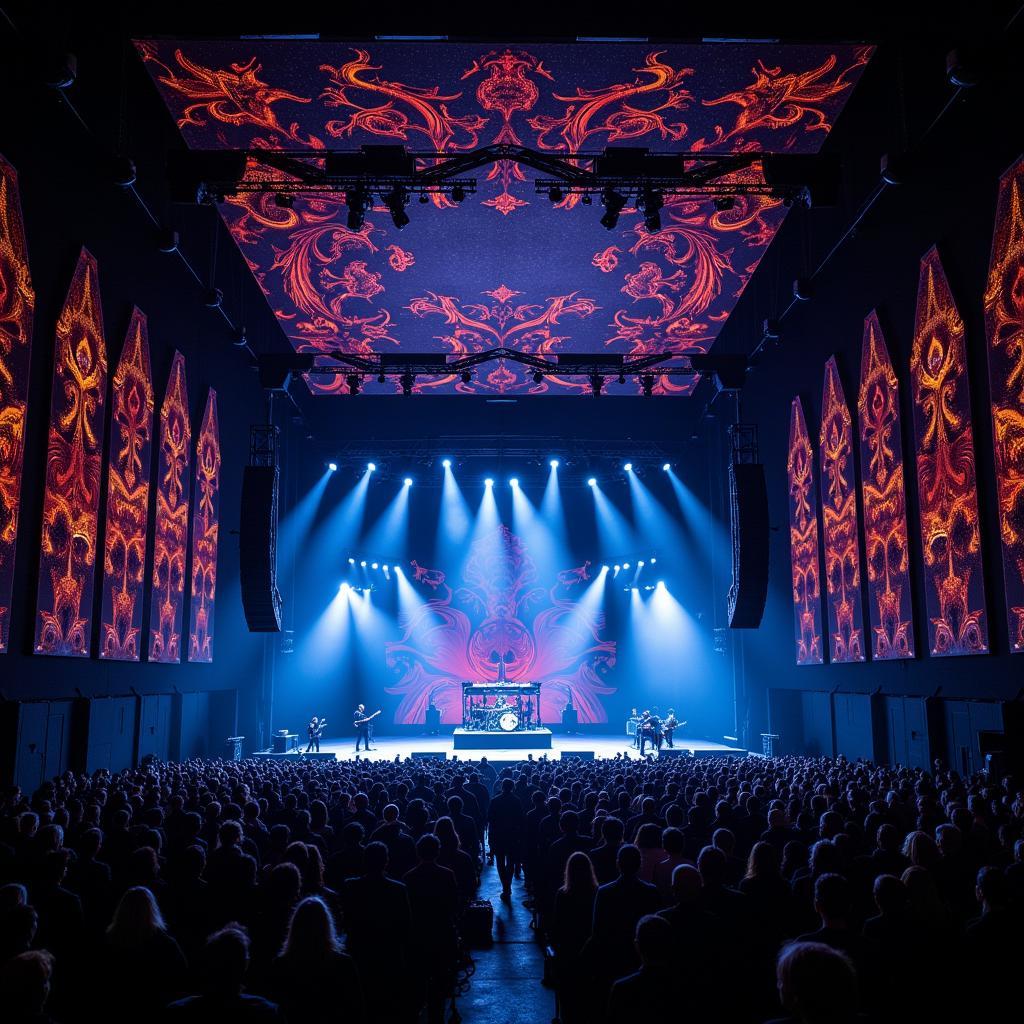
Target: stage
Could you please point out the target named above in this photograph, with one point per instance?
(387, 748)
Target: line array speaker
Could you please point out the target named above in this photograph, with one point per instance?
(261, 599)
(748, 520)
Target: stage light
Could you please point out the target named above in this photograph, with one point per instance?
(332, 466)
(592, 482)
(371, 466)
(375, 566)
(613, 203)
(488, 482)
(387, 568)
(447, 463)
(408, 481)
(661, 585)
(667, 467)
(654, 561)
(596, 384)
(514, 482)
(538, 377)
(625, 565)
(466, 376)
(362, 564)
(651, 202)
(604, 568)
(553, 463)
(343, 588)
(555, 194)
(628, 467)
(640, 565)
(357, 200)
(351, 561)
(396, 201)
(458, 194)
(636, 590)
(408, 382)
(616, 569)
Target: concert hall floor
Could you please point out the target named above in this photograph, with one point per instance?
(387, 748)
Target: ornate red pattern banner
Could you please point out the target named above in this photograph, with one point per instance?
(17, 309)
(74, 452)
(884, 496)
(1004, 326)
(128, 466)
(946, 483)
(205, 526)
(839, 522)
(171, 525)
(803, 540)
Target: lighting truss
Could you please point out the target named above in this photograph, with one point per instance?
(211, 175)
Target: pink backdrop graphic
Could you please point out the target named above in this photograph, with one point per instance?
(502, 605)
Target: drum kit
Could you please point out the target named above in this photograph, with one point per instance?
(501, 716)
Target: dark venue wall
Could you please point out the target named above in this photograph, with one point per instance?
(949, 200)
(105, 713)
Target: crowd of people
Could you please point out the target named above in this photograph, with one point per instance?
(721, 889)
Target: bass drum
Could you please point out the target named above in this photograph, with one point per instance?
(508, 722)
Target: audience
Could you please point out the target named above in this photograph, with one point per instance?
(713, 889)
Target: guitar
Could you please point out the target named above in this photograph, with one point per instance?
(320, 729)
(368, 718)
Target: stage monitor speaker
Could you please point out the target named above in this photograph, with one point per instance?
(674, 752)
(257, 545)
(432, 720)
(429, 755)
(748, 517)
(583, 755)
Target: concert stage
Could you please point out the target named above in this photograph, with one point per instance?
(524, 739)
(387, 748)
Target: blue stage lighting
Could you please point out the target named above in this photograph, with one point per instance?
(371, 466)
(408, 481)
(628, 467)
(661, 584)
(604, 568)
(374, 566)
(488, 482)
(640, 564)
(447, 463)
(514, 482)
(625, 565)
(554, 463)
(592, 482)
(332, 466)
(363, 564)
(343, 588)
(351, 561)
(636, 590)
(618, 568)
(654, 561)
(386, 568)
(666, 467)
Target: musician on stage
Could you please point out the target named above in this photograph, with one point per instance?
(645, 731)
(362, 726)
(315, 730)
(669, 726)
(631, 727)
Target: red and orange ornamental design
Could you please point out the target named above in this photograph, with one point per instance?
(74, 454)
(17, 308)
(205, 525)
(171, 525)
(803, 540)
(128, 465)
(883, 493)
(1004, 325)
(839, 522)
(946, 483)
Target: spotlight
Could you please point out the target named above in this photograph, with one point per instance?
(408, 481)
(408, 382)
(396, 201)
(625, 565)
(538, 377)
(666, 467)
(332, 466)
(371, 466)
(651, 202)
(424, 198)
(376, 566)
(592, 482)
(555, 194)
(647, 384)
(351, 561)
(613, 203)
(640, 564)
(466, 376)
(387, 568)
(354, 382)
(488, 482)
(357, 200)
(554, 463)
(636, 590)
(604, 568)
(362, 564)
(458, 194)
(514, 482)
(447, 463)
(596, 384)
(654, 561)
(661, 585)
(617, 569)
(343, 588)
(628, 467)
(724, 203)
(381, 378)
(284, 200)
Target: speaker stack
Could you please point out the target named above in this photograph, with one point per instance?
(748, 520)
(261, 599)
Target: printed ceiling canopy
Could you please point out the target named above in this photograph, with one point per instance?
(506, 267)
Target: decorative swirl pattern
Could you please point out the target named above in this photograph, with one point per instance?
(1004, 326)
(205, 533)
(946, 485)
(74, 452)
(17, 312)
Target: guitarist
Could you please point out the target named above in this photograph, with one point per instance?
(316, 730)
(670, 725)
(361, 720)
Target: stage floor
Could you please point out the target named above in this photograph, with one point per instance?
(387, 748)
